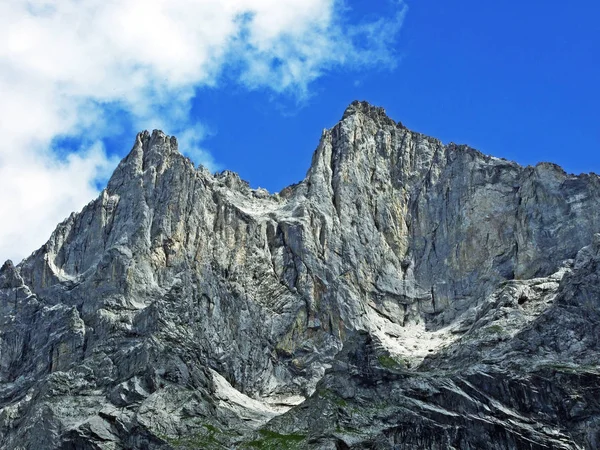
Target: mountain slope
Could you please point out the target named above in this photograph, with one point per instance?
(182, 308)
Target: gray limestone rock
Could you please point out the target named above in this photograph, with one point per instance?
(416, 294)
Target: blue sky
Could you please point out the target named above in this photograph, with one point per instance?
(518, 81)
(248, 85)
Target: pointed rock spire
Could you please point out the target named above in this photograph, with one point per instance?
(9, 277)
(376, 113)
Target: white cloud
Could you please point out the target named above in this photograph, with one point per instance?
(63, 61)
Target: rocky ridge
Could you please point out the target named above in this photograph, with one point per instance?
(405, 294)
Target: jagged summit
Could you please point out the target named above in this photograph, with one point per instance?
(159, 142)
(146, 138)
(9, 278)
(407, 293)
(154, 145)
(376, 113)
(156, 142)
(8, 265)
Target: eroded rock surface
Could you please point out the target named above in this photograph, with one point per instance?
(419, 295)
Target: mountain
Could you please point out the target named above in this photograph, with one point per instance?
(406, 294)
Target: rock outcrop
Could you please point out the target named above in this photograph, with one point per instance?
(406, 294)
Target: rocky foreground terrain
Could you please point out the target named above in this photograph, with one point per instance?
(406, 294)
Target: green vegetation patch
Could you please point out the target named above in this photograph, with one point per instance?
(332, 396)
(388, 362)
(494, 329)
(271, 440)
(213, 439)
(203, 441)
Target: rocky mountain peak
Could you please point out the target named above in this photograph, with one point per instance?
(408, 293)
(375, 113)
(152, 154)
(153, 149)
(8, 265)
(9, 277)
(157, 141)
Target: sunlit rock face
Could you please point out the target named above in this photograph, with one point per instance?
(406, 294)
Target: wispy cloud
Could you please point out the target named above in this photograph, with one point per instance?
(67, 65)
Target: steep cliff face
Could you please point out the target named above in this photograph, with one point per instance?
(419, 295)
